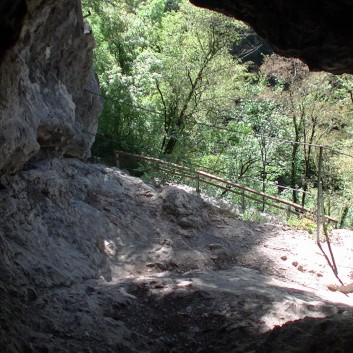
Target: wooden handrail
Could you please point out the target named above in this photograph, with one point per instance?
(253, 191)
(196, 174)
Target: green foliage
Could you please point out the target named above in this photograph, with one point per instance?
(173, 90)
(163, 66)
(253, 216)
(301, 223)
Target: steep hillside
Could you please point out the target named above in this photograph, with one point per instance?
(93, 260)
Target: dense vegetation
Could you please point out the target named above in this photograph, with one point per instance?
(179, 85)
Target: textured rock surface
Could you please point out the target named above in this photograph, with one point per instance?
(43, 77)
(318, 32)
(92, 260)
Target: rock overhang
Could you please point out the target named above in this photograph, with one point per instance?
(320, 33)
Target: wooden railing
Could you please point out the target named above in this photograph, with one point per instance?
(244, 191)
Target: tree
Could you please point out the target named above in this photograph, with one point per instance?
(164, 66)
(312, 110)
(175, 86)
(193, 73)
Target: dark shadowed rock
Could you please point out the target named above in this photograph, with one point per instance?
(12, 13)
(318, 32)
(308, 335)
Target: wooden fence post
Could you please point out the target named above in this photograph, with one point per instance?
(117, 158)
(243, 201)
(288, 213)
(319, 196)
(197, 182)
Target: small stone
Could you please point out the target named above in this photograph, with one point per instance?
(157, 182)
(159, 286)
(90, 289)
(284, 257)
(161, 266)
(109, 248)
(166, 241)
(300, 268)
(215, 246)
(295, 263)
(184, 284)
(319, 274)
(190, 222)
(332, 287)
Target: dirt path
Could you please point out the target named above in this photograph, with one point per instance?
(97, 261)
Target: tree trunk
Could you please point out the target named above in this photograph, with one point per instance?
(344, 216)
(264, 191)
(169, 148)
(294, 174)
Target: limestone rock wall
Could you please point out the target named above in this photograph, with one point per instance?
(44, 107)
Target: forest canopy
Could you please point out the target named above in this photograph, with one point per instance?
(203, 90)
